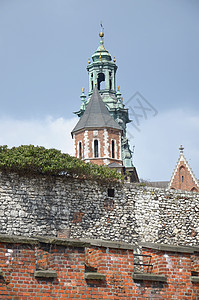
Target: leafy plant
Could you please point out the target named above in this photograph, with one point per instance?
(29, 159)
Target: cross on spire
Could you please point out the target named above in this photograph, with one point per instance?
(181, 149)
(101, 34)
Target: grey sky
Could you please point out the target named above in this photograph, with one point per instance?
(44, 49)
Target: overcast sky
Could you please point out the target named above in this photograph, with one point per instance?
(44, 50)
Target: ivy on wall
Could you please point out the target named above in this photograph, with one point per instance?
(29, 159)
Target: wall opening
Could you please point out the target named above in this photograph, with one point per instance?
(111, 192)
(96, 149)
(113, 149)
(110, 84)
(101, 81)
(182, 178)
(91, 81)
(80, 150)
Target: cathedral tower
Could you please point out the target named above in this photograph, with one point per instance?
(102, 80)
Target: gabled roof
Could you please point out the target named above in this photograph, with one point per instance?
(96, 115)
(182, 161)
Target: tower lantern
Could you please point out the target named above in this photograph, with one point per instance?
(102, 70)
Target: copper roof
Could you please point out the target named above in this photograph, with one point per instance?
(96, 115)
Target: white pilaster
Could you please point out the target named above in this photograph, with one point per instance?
(86, 143)
(106, 144)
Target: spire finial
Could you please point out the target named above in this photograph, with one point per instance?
(181, 149)
(83, 96)
(101, 34)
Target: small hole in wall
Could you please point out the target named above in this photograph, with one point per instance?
(111, 192)
(194, 273)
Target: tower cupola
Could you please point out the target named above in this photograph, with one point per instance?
(102, 69)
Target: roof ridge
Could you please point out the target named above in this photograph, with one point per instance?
(191, 171)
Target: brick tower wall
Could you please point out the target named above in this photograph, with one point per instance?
(104, 137)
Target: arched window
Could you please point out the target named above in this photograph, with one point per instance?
(80, 150)
(91, 81)
(101, 78)
(110, 84)
(113, 149)
(110, 80)
(182, 177)
(194, 189)
(96, 150)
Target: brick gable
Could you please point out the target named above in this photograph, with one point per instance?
(183, 177)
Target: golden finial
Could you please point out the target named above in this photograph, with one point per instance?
(95, 83)
(100, 57)
(114, 60)
(118, 87)
(101, 34)
(89, 61)
(82, 90)
(122, 99)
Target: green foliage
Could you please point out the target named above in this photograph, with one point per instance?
(38, 160)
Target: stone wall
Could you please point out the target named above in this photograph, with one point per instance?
(130, 213)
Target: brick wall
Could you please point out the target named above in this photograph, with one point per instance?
(47, 268)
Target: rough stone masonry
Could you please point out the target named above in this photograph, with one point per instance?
(63, 207)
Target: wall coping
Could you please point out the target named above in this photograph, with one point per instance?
(82, 243)
(62, 241)
(109, 244)
(14, 239)
(170, 248)
(149, 277)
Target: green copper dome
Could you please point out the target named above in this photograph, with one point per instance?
(101, 53)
